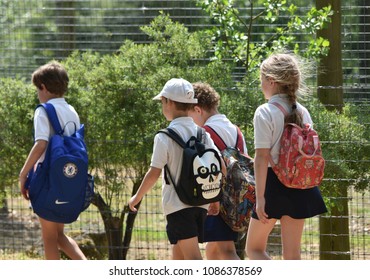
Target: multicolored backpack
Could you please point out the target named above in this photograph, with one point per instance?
(238, 187)
(301, 164)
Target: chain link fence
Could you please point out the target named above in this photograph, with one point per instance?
(35, 31)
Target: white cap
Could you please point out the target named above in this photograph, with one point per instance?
(178, 90)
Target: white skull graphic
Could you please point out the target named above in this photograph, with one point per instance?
(208, 171)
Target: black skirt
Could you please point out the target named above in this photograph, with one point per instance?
(217, 230)
(296, 203)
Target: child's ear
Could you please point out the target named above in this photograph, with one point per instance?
(271, 81)
(197, 109)
(42, 87)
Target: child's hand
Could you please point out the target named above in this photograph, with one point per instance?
(133, 202)
(260, 210)
(214, 208)
(22, 183)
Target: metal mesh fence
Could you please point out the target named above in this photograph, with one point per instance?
(35, 31)
(21, 235)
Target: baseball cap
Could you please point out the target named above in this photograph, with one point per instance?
(179, 90)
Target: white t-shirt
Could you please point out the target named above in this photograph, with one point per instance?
(66, 114)
(167, 151)
(225, 129)
(269, 123)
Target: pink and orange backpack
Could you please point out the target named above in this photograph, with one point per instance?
(301, 164)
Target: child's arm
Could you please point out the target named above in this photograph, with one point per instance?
(214, 208)
(36, 152)
(148, 182)
(223, 168)
(261, 162)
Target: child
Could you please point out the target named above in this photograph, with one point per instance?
(281, 79)
(218, 234)
(51, 81)
(184, 222)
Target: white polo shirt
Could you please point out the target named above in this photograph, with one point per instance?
(269, 123)
(167, 151)
(225, 129)
(67, 116)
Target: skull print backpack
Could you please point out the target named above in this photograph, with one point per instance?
(200, 178)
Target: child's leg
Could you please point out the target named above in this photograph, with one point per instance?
(177, 253)
(50, 238)
(291, 235)
(187, 249)
(257, 237)
(54, 238)
(221, 250)
(70, 247)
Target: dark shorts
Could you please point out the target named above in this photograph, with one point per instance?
(185, 224)
(283, 201)
(217, 230)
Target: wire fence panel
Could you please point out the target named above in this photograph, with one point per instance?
(32, 32)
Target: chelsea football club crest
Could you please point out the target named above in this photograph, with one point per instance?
(70, 170)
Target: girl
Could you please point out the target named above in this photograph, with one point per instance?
(281, 79)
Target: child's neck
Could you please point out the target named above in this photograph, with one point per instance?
(51, 96)
(211, 113)
(179, 114)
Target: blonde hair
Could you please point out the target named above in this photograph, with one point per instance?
(286, 70)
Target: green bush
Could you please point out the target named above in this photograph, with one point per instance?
(345, 147)
(17, 103)
(113, 93)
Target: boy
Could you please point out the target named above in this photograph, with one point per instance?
(219, 236)
(51, 81)
(184, 222)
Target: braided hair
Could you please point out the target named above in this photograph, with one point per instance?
(284, 69)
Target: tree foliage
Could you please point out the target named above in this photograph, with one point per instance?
(16, 111)
(247, 32)
(115, 93)
(235, 34)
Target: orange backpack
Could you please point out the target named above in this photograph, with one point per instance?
(301, 164)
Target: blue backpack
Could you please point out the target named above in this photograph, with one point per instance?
(60, 188)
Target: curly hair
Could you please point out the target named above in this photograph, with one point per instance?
(208, 97)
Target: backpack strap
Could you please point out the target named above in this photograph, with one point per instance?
(53, 117)
(285, 113)
(282, 109)
(175, 137)
(220, 143)
(239, 140)
(200, 134)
